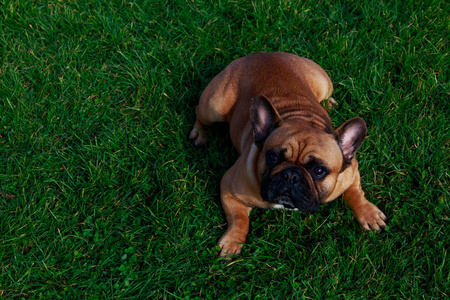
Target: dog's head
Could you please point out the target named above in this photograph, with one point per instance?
(300, 162)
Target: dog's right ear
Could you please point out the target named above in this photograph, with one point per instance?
(265, 119)
(350, 137)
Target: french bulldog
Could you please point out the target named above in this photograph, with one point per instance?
(290, 156)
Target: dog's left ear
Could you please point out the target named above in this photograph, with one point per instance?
(350, 137)
(265, 119)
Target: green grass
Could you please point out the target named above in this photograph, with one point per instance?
(97, 98)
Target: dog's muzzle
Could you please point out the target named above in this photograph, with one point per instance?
(291, 188)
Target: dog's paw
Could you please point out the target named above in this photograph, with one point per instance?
(370, 217)
(330, 103)
(230, 247)
(197, 137)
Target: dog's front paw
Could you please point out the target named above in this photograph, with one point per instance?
(230, 246)
(370, 217)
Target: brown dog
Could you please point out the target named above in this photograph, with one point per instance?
(290, 155)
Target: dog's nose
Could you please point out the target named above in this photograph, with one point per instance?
(291, 175)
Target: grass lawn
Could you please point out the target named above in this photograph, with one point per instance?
(102, 196)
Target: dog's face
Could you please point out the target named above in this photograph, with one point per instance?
(299, 169)
(300, 166)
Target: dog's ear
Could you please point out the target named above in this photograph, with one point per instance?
(265, 119)
(350, 137)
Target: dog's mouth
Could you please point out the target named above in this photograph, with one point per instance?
(285, 202)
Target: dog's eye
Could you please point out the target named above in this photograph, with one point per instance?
(272, 158)
(319, 172)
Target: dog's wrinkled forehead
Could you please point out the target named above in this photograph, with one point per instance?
(301, 147)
